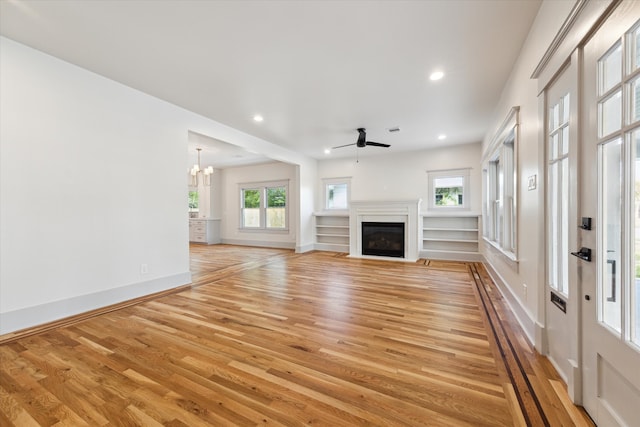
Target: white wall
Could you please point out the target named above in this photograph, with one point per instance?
(521, 90)
(231, 180)
(402, 176)
(93, 185)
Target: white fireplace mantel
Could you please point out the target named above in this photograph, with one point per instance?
(405, 211)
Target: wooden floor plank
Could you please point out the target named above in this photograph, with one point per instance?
(268, 337)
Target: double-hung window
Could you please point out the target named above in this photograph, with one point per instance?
(500, 198)
(264, 206)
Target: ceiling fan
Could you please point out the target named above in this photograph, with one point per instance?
(362, 141)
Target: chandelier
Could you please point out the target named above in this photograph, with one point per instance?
(197, 175)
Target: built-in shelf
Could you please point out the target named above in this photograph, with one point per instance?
(450, 236)
(332, 231)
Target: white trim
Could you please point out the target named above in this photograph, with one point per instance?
(323, 190)
(304, 248)
(262, 186)
(45, 313)
(450, 173)
(260, 243)
(406, 211)
(522, 315)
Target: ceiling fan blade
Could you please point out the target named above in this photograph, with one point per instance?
(377, 144)
(340, 146)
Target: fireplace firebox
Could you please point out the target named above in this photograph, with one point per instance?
(383, 239)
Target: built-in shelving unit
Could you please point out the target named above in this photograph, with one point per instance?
(332, 231)
(450, 236)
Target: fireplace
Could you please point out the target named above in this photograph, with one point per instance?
(383, 239)
(397, 213)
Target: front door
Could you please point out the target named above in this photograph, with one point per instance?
(610, 194)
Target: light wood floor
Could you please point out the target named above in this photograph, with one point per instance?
(268, 337)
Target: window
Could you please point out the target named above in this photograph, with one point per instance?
(449, 189)
(500, 199)
(336, 193)
(558, 195)
(193, 201)
(618, 225)
(264, 206)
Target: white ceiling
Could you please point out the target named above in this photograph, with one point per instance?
(315, 70)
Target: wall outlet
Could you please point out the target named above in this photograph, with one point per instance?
(144, 268)
(524, 290)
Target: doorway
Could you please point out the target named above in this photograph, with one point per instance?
(610, 194)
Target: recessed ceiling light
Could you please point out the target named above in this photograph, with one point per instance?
(258, 118)
(327, 151)
(442, 136)
(436, 75)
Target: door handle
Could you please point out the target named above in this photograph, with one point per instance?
(612, 297)
(583, 253)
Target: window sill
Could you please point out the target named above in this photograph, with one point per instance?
(330, 212)
(508, 254)
(264, 230)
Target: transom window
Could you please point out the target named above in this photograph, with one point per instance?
(264, 206)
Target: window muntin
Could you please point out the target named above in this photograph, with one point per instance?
(264, 206)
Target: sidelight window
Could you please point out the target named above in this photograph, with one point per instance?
(558, 195)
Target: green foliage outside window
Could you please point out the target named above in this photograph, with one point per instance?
(251, 199)
(448, 196)
(276, 197)
(193, 200)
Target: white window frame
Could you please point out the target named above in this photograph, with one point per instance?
(450, 173)
(500, 173)
(326, 182)
(262, 187)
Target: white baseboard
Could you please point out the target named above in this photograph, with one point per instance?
(331, 247)
(260, 243)
(524, 318)
(29, 317)
(451, 255)
(305, 248)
